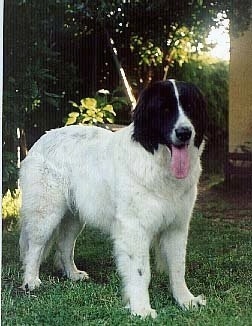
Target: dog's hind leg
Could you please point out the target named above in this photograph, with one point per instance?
(41, 213)
(32, 249)
(68, 232)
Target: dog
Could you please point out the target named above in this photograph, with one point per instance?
(138, 184)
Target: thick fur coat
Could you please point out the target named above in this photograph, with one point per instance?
(138, 184)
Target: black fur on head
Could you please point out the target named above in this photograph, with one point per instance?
(194, 105)
(157, 111)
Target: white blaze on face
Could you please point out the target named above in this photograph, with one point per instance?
(183, 120)
(177, 96)
(180, 160)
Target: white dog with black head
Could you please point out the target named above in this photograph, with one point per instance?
(138, 184)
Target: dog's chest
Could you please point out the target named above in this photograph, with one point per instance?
(94, 201)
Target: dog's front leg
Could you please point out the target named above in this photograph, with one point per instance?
(131, 248)
(173, 247)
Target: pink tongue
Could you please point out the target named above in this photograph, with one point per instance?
(180, 162)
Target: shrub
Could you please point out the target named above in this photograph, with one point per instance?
(10, 171)
(95, 110)
(11, 203)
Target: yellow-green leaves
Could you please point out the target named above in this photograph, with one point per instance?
(72, 118)
(149, 54)
(91, 112)
(109, 108)
(89, 103)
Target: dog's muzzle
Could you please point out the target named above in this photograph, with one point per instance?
(183, 134)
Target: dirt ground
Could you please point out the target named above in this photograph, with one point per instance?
(231, 203)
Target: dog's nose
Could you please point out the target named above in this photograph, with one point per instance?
(183, 133)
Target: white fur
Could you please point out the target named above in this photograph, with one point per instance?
(108, 180)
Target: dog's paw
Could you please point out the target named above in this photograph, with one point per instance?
(192, 302)
(78, 275)
(142, 312)
(30, 285)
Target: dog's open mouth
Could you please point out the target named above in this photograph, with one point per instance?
(180, 162)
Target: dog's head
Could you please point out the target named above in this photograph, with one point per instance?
(170, 113)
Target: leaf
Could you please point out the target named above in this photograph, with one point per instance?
(74, 104)
(89, 103)
(71, 121)
(120, 100)
(100, 114)
(99, 119)
(87, 119)
(52, 101)
(53, 95)
(73, 114)
(110, 120)
(91, 113)
(109, 108)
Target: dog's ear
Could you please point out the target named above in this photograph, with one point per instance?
(142, 121)
(195, 107)
(145, 118)
(154, 115)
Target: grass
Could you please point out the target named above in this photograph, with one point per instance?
(219, 265)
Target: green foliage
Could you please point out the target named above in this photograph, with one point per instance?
(95, 110)
(156, 32)
(10, 171)
(30, 58)
(91, 113)
(182, 43)
(11, 203)
(34, 81)
(149, 54)
(35, 51)
(55, 50)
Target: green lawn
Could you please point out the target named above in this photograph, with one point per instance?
(219, 264)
